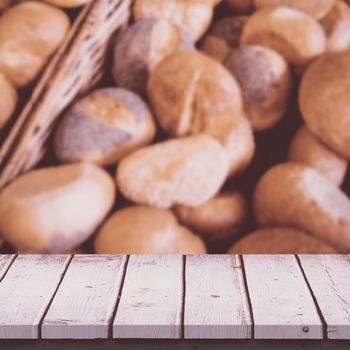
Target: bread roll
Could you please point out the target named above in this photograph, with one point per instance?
(280, 240)
(146, 230)
(8, 100)
(316, 8)
(220, 219)
(103, 127)
(307, 149)
(266, 98)
(193, 16)
(55, 209)
(324, 97)
(337, 27)
(185, 171)
(191, 93)
(223, 36)
(29, 33)
(141, 47)
(298, 196)
(278, 27)
(68, 3)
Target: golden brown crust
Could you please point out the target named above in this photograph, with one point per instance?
(8, 100)
(307, 149)
(191, 93)
(141, 47)
(29, 33)
(278, 27)
(103, 127)
(146, 230)
(266, 98)
(324, 97)
(55, 209)
(316, 8)
(298, 196)
(280, 240)
(194, 16)
(185, 171)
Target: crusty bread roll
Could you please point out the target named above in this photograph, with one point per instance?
(8, 100)
(337, 27)
(239, 145)
(295, 195)
(324, 97)
(68, 3)
(55, 209)
(265, 80)
(223, 36)
(141, 47)
(220, 219)
(191, 93)
(278, 27)
(280, 240)
(185, 171)
(241, 6)
(103, 127)
(316, 8)
(307, 149)
(146, 230)
(193, 16)
(29, 33)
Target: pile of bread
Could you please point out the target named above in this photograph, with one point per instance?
(144, 164)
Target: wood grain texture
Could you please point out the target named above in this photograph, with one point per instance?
(26, 291)
(152, 298)
(282, 304)
(329, 279)
(5, 262)
(84, 304)
(216, 304)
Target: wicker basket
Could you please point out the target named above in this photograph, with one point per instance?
(76, 66)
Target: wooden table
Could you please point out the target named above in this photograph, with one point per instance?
(174, 301)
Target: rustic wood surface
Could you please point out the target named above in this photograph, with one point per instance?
(174, 297)
(329, 279)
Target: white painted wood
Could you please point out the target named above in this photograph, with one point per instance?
(216, 304)
(151, 300)
(84, 304)
(5, 262)
(329, 279)
(282, 304)
(26, 291)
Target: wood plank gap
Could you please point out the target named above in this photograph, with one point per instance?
(324, 323)
(53, 297)
(183, 289)
(248, 295)
(8, 266)
(110, 329)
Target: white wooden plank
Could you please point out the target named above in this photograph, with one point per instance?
(151, 300)
(329, 279)
(282, 304)
(216, 304)
(84, 304)
(5, 262)
(26, 291)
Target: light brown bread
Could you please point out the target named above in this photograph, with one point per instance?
(29, 33)
(141, 47)
(324, 97)
(53, 210)
(265, 81)
(278, 27)
(146, 230)
(194, 16)
(298, 196)
(191, 93)
(280, 240)
(185, 171)
(103, 127)
(8, 100)
(307, 149)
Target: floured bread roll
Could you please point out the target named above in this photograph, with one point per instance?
(8, 100)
